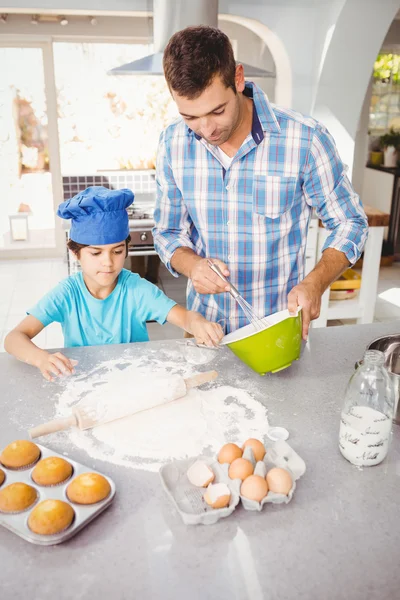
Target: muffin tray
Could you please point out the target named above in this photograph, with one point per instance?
(18, 522)
(188, 499)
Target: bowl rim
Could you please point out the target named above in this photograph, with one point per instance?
(280, 316)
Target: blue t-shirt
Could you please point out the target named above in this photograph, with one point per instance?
(118, 319)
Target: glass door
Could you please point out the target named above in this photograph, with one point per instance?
(27, 220)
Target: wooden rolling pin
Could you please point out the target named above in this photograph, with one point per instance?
(96, 410)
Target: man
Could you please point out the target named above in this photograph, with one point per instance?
(238, 179)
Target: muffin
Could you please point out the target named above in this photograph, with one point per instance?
(17, 497)
(20, 455)
(51, 471)
(2, 476)
(50, 517)
(88, 488)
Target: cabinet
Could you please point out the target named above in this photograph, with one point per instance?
(362, 307)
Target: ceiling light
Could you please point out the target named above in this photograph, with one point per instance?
(63, 21)
(34, 20)
(93, 20)
(3, 18)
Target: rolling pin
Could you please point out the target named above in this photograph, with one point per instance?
(96, 410)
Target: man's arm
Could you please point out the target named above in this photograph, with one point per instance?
(327, 188)
(308, 293)
(172, 221)
(172, 232)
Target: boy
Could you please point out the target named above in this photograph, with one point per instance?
(105, 303)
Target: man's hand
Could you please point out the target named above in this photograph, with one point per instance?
(196, 268)
(306, 294)
(55, 364)
(204, 279)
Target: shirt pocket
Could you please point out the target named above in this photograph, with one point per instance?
(273, 195)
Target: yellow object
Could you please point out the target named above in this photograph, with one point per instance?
(350, 280)
(376, 158)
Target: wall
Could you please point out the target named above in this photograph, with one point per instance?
(357, 38)
(333, 87)
(140, 28)
(393, 35)
(252, 50)
(66, 6)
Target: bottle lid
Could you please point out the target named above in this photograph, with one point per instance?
(374, 357)
(277, 433)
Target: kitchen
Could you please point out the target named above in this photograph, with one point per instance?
(327, 520)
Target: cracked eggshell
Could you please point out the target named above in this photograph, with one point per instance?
(189, 499)
(200, 474)
(218, 495)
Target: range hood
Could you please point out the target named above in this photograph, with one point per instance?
(170, 16)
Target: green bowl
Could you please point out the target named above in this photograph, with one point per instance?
(269, 350)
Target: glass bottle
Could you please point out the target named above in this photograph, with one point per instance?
(366, 418)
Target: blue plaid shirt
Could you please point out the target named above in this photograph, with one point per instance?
(254, 216)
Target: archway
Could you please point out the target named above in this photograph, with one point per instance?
(283, 84)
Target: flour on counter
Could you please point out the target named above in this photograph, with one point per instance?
(200, 422)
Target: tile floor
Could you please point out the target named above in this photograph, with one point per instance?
(24, 282)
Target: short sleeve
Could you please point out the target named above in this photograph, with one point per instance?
(152, 303)
(52, 307)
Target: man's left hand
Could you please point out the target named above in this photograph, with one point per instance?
(306, 294)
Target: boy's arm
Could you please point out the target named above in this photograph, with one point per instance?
(204, 331)
(19, 343)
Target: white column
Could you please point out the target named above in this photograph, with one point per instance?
(370, 274)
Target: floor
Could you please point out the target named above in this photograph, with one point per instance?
(24, 282)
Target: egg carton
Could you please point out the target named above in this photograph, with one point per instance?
(18, 522)
(189, 501)
(280, 454)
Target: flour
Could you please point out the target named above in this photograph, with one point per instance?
(201, 422)
(364, 436)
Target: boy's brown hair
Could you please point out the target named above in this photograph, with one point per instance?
(194, 56)
(76, 248)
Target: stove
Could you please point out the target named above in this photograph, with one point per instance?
(141, 222)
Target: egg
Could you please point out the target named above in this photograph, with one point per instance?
(200, 474)
(279, 481)
(228, 453)
(240, 469)
(254, 487)
(218, 495)
(257, 447)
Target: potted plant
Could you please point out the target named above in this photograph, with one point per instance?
(390, 142)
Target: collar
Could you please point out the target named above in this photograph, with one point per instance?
(263, 115)
(262, 111)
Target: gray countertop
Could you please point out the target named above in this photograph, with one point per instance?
(339, 538)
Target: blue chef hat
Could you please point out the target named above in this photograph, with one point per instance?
(98, 215)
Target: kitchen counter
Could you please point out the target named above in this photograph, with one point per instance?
(339, 538)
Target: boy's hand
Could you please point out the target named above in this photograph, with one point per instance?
(55, 364)
(204, 331)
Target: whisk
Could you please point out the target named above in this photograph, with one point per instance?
(258, 323)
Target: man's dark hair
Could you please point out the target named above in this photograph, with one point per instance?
(76, 248)
(194, 56)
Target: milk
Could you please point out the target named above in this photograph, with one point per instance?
(364, 435)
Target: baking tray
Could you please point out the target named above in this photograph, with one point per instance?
(18, 522)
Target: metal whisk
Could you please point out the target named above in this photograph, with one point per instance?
(258, 323)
